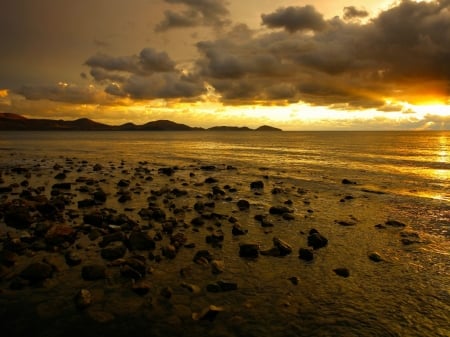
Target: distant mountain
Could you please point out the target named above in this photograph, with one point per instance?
(15, 122)
(267, 128)
(229, 128)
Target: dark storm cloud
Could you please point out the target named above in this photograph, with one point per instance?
(295, 19)
(199, 13)
(61, 93)
(351, 12)
(401, 53)
(147, 62)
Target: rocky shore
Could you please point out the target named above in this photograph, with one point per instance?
(97, 245)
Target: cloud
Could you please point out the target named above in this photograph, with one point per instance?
(147, 62)
(295, 19)
(351, 12)
(63, 92)
(402, 54)
(198, 13)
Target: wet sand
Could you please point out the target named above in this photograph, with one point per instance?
(133, 248)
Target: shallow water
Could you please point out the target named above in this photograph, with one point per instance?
(407, 294)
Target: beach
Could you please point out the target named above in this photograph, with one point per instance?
(112, 247)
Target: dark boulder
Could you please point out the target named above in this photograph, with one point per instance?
(18, 217)
(343, 272)
(59, 234)
(257, 185)
(279, 210)
(316, 240)
(305, 254)
(37, 272)
(243, 205)
(250, 250)
(141, 240)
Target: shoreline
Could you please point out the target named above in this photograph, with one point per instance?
(194, 247)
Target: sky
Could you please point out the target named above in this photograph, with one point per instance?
(297, 65)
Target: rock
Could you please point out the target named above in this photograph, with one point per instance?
(178, 240)
(114, 250)
(37, 272)
(197, 221)
(168, 171)
(279, 210)
(316, 240)
(94, 219)
(345, 223)
(238, 230)
(8, 258)
(213, 288)
(288, 216)
(99, 196)
(140, 240)
(123, 183)
(169, 251)
(209, 313)
(343, 272)
(83, 299)
(227, 286)
(375, 257)
(395, 223)
(305, 254)
(217, 266)
(18, 217)
(348, 182)
(142, 287)
(195, 289)
(72, 258)
(59, 234)
(202, 256)
(5, 189)
(294, 280)
(62, 186)
(250, 250)
(60, 176)
(93, 272)
(166, 292)
(257, 185)
(215, 238)
(243, 205)
(97, 167)
(112, 237)
(86, 203)
(211, 180)
(283, 247)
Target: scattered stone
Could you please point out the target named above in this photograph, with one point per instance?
(73, 258)
(169, 251)
(166, 292)
(59, 234)
(60, 176)
(62, 186)
(348, 182)
(217, 266)
(141, 287)
(18, 217)
(316, 240)
(83, 299)
(99, 196)
(93, 272)
(243, 205)
(238, 230)
(8, 258)
(279, 210)
(86, 203)
(202, 256)
(215, 238)
(195, 289)
(345, 223)
(283, 247)
(395, 223)
(257, 185)
(37, 272)
(198, 221)
(343, 272)
(211, 180)
(112, 237)
(168, 171)
(250, 250)
(114, 250)
(375, 257)
(210, 313)
(288, 216)
(227, 286)
(306, 254)
(294, 280)
(97, 167)
(141, 240)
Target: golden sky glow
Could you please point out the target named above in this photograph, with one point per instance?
(297, 65)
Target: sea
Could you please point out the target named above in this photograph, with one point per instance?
(402, 176)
